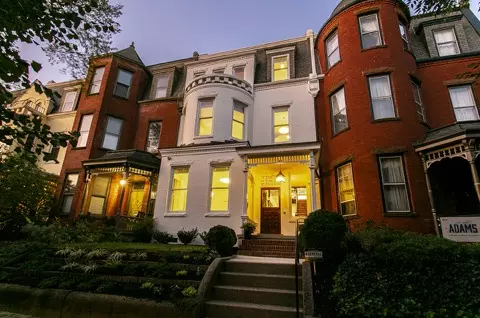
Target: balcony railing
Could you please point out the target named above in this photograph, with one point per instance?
(219, 79)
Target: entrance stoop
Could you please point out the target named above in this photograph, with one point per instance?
(282, 247)
(255, 287)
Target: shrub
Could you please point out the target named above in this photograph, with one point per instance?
(187, 236)
(222, 239)
(189, 292)
(323, 230)
(143, 230)
(203, 236)
(408, 275)
(163, 237)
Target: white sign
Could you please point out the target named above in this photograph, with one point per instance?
(461, 228)
(313, 255)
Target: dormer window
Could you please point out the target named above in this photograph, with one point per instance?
(370, 31)
(69, 102)
(239, 72)
(446, 42)
(162, 86)
(280, 68)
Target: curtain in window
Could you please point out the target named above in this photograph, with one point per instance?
(369, 23)
(394, 186)
(339, 111)
(463, 103)
(443, 36)
(446, 42)
(381, 97)
(333, 52)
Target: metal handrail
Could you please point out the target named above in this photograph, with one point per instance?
(299, 223)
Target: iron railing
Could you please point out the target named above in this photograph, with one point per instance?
(298, 227)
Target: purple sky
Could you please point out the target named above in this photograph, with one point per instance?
(166, 30)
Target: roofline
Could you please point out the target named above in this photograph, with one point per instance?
(167, 64)
(66, 83)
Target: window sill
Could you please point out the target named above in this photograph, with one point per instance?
(340, 132)
(175, 215)
(203, 137)
(399, 214)
(217, 214)
(383, 46)
(374, 121)
(120, 97)
(93, 94)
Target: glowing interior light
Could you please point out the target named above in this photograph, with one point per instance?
(225, 180)
(284, 130)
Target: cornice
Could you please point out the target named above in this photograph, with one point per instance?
(281, 84)
(227, 147)
(61, 114)
(222, 59)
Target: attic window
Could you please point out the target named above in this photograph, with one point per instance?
(446, 42)
(162, 86)
(280, 70)
(69, 102)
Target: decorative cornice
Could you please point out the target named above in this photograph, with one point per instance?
(226, 147)
(219, 79)
(281, 84)
(221, 59)
(214, 162)
(280, 50)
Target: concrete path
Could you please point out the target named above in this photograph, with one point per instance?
(4, 314)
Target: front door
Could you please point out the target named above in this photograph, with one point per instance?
(270, 221)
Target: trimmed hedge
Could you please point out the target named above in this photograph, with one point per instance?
(398, 274)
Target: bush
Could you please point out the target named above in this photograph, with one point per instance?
(221, 239)
(203, 237)
(143, 230)
(187, 237)
(163, 237)
(323, 230)
(59, 233)
(408, 275)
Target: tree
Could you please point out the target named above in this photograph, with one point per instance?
(57, 23)
(437, 6)
(91, 41)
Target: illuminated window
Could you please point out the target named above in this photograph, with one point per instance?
(446, 42)
(71, 180)
(333, 50)
(299, 201)
(418, 102)
(394, 184)
(280, 68)
(85, 124)
(370, 31)
(239, 72)
(339, 111)
(112, 133)
(124, 80)
(153, 141)
(97, 80)
(403, 34)
(238, 122)
(98, 199)
(463, 102)
(381, 96)
(69, 102)
(162, 86)
(219, 190)
(179, 190)
(205, 117)
(346, 189)
(281, 128)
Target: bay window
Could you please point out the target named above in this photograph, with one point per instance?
(238, 120)
(205, 117)
(381, 97)
(394, 184)
(463, 103)
(84, 129)
(97, 80)
(219, 191)
(179, 190)
(112, 133)
(333, 50)
(346, 190)
(370, 31)
(124, 80)
(339, 111)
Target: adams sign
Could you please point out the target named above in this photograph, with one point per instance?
(461, 229)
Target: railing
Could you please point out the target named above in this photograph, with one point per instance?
(298, 226)
(219, 79)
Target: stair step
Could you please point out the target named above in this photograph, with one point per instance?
(231, 309)
(265, 296)
(267, 253)
(259, 280)
(260, 268)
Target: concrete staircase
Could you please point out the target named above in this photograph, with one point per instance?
(249, 288)
(283, 248)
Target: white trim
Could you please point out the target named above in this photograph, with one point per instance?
(218, 214)
(280, 50)
(281, 84)
(227, 147)
(197, 119)
(170, 191)
(175, 214)
(210, 188)
(284, 148)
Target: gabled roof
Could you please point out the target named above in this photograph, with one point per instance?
(130, 54)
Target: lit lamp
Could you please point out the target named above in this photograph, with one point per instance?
(280, 177)
(123, 182)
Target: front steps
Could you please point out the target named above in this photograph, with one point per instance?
(250, 287)
(283, 248)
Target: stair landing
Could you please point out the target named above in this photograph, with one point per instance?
(283, 247)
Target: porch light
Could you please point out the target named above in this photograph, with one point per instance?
(284, 130)
(280, 177)
(123, 182)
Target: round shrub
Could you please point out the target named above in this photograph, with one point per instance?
(187, 236)
(323, 230)
(163, 237)
(221, 239)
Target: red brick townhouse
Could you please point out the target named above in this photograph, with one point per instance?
(398, 114)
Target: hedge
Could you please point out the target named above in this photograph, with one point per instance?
(397, 274)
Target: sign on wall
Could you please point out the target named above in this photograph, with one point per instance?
(461, 228)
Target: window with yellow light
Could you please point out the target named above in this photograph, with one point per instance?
(220, 189)
(281, 128)
(238, 122)
(346, 190)
(179, 190)
(205, 117)
(280, 68)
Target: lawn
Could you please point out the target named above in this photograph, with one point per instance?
(142, 247)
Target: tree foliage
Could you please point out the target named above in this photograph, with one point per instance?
(436, 6)
(60, 24)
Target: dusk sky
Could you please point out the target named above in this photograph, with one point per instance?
(165, 30)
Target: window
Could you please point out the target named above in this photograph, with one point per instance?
(124, 80)
(219, 71)
(153, 138)
(69, 102)
(112, 133)
(370, 31)
(205, 117)
(85, 124)
(238, 122)
(51, 154)
(299, 201)
(98, 200)
(239, 72)
(97, 80)
(403, 34)
(219, 190)
(346, 189)
(333, 50)
(280, 68)
(463, 102)
(381, 95)
(39, 107)
(446, 42)
(394, 184)
(339, 111)
(178, 196)
(71, 180)
(418, 101)
(162, 86)
(281, 128)
(198, 74)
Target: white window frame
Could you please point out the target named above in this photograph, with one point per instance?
(85, 132)
(457, 47)
(68, 192)
(117, 83)
(327, 41)
(339, 192)
(212, 168)
(404, 183)
(243, 107)
(72, 108)
(112, 134)
(395, 115)
(281, 109)
(470, 91)
(404, 36)
(273, 66)
(335, 131)
(167, 76)
(418, 95)
(96, 84)
(362, 33)
(171, 190)
(197, 124)
(148, 136)
(234, 70)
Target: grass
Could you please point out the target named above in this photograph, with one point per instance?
(144, 247)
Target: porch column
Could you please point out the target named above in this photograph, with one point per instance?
(473, 168)
(245, 189)
(313, 194)
(430, 195)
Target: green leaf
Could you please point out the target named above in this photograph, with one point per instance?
(36, 66)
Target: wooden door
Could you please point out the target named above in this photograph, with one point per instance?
(270, 211)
